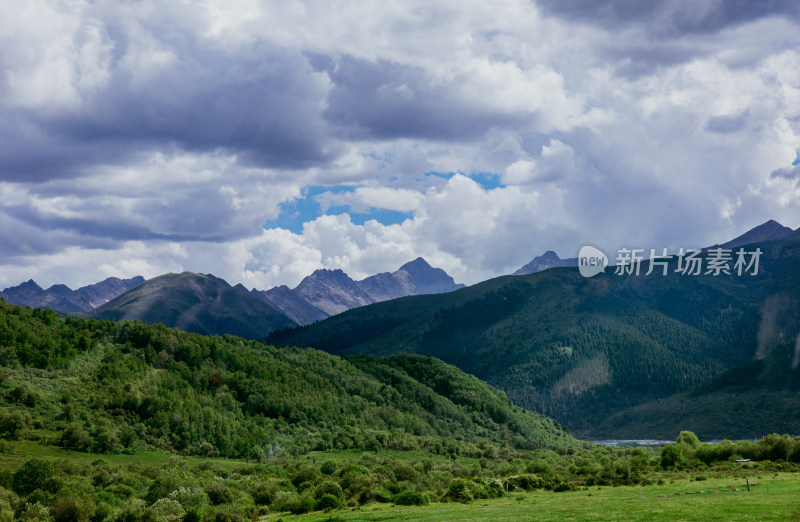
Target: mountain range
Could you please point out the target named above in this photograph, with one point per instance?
(329, 292)
(207, 304)
(62, 299)
(611, 356)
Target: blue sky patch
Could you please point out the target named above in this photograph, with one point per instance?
(306, 208)
(487, 180)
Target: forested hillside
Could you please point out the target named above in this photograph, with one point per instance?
(104, 386)
(584, 351)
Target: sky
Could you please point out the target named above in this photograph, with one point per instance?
(261, 140)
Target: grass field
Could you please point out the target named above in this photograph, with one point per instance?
(773, 497)
(722, 495)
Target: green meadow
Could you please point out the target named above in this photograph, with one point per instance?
(771, 497)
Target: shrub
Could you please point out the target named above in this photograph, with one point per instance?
(688, 438)
(284, 500)
(526, 482)
(405, 472)
(121, 491)
(219, 494)
(304, 503)
(70, 509)
(12, 423)
(329, 487)
(328, 502)
(34, 512)
(672, 456)
(32, 475)
(459, 491)
(189, 497)
(410, 498)
(304, 477)
(328, 468)
(75, 437)
(264, 493)
(166, 509)
(161, 487)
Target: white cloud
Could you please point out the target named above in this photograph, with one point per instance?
(158, 136)
(364, 199)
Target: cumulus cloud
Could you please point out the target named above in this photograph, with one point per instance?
(161, 136)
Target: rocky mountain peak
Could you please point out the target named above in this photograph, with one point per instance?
(547, 260)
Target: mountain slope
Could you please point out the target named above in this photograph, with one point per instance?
(195, 303)
(295, 307)
(769, 231)
(148, 386)
(583, 350)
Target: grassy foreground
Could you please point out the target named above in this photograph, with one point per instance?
(773, 496)
(715, 493)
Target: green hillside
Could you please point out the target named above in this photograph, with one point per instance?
(198, 303)
(584, 351)
(125, 421)
(102, 386)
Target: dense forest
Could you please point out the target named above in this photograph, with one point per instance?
(107, 385)
(586, 352)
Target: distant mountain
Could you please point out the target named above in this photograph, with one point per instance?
(330, 292)
(769, 231)
(62, 299)
(295, 307)
(104, 291)
(612, 355)
(417, 277)
(196, 303)
(547, 260)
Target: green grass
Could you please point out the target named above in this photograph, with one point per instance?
(16, 453)
(775, 497)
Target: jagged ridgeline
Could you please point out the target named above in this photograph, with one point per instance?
(105, 386)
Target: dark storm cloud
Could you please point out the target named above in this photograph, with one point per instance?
(386, 100)
(671, 17)
(20, 238)
(91, 228)
(263, 104)
(199, 212)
